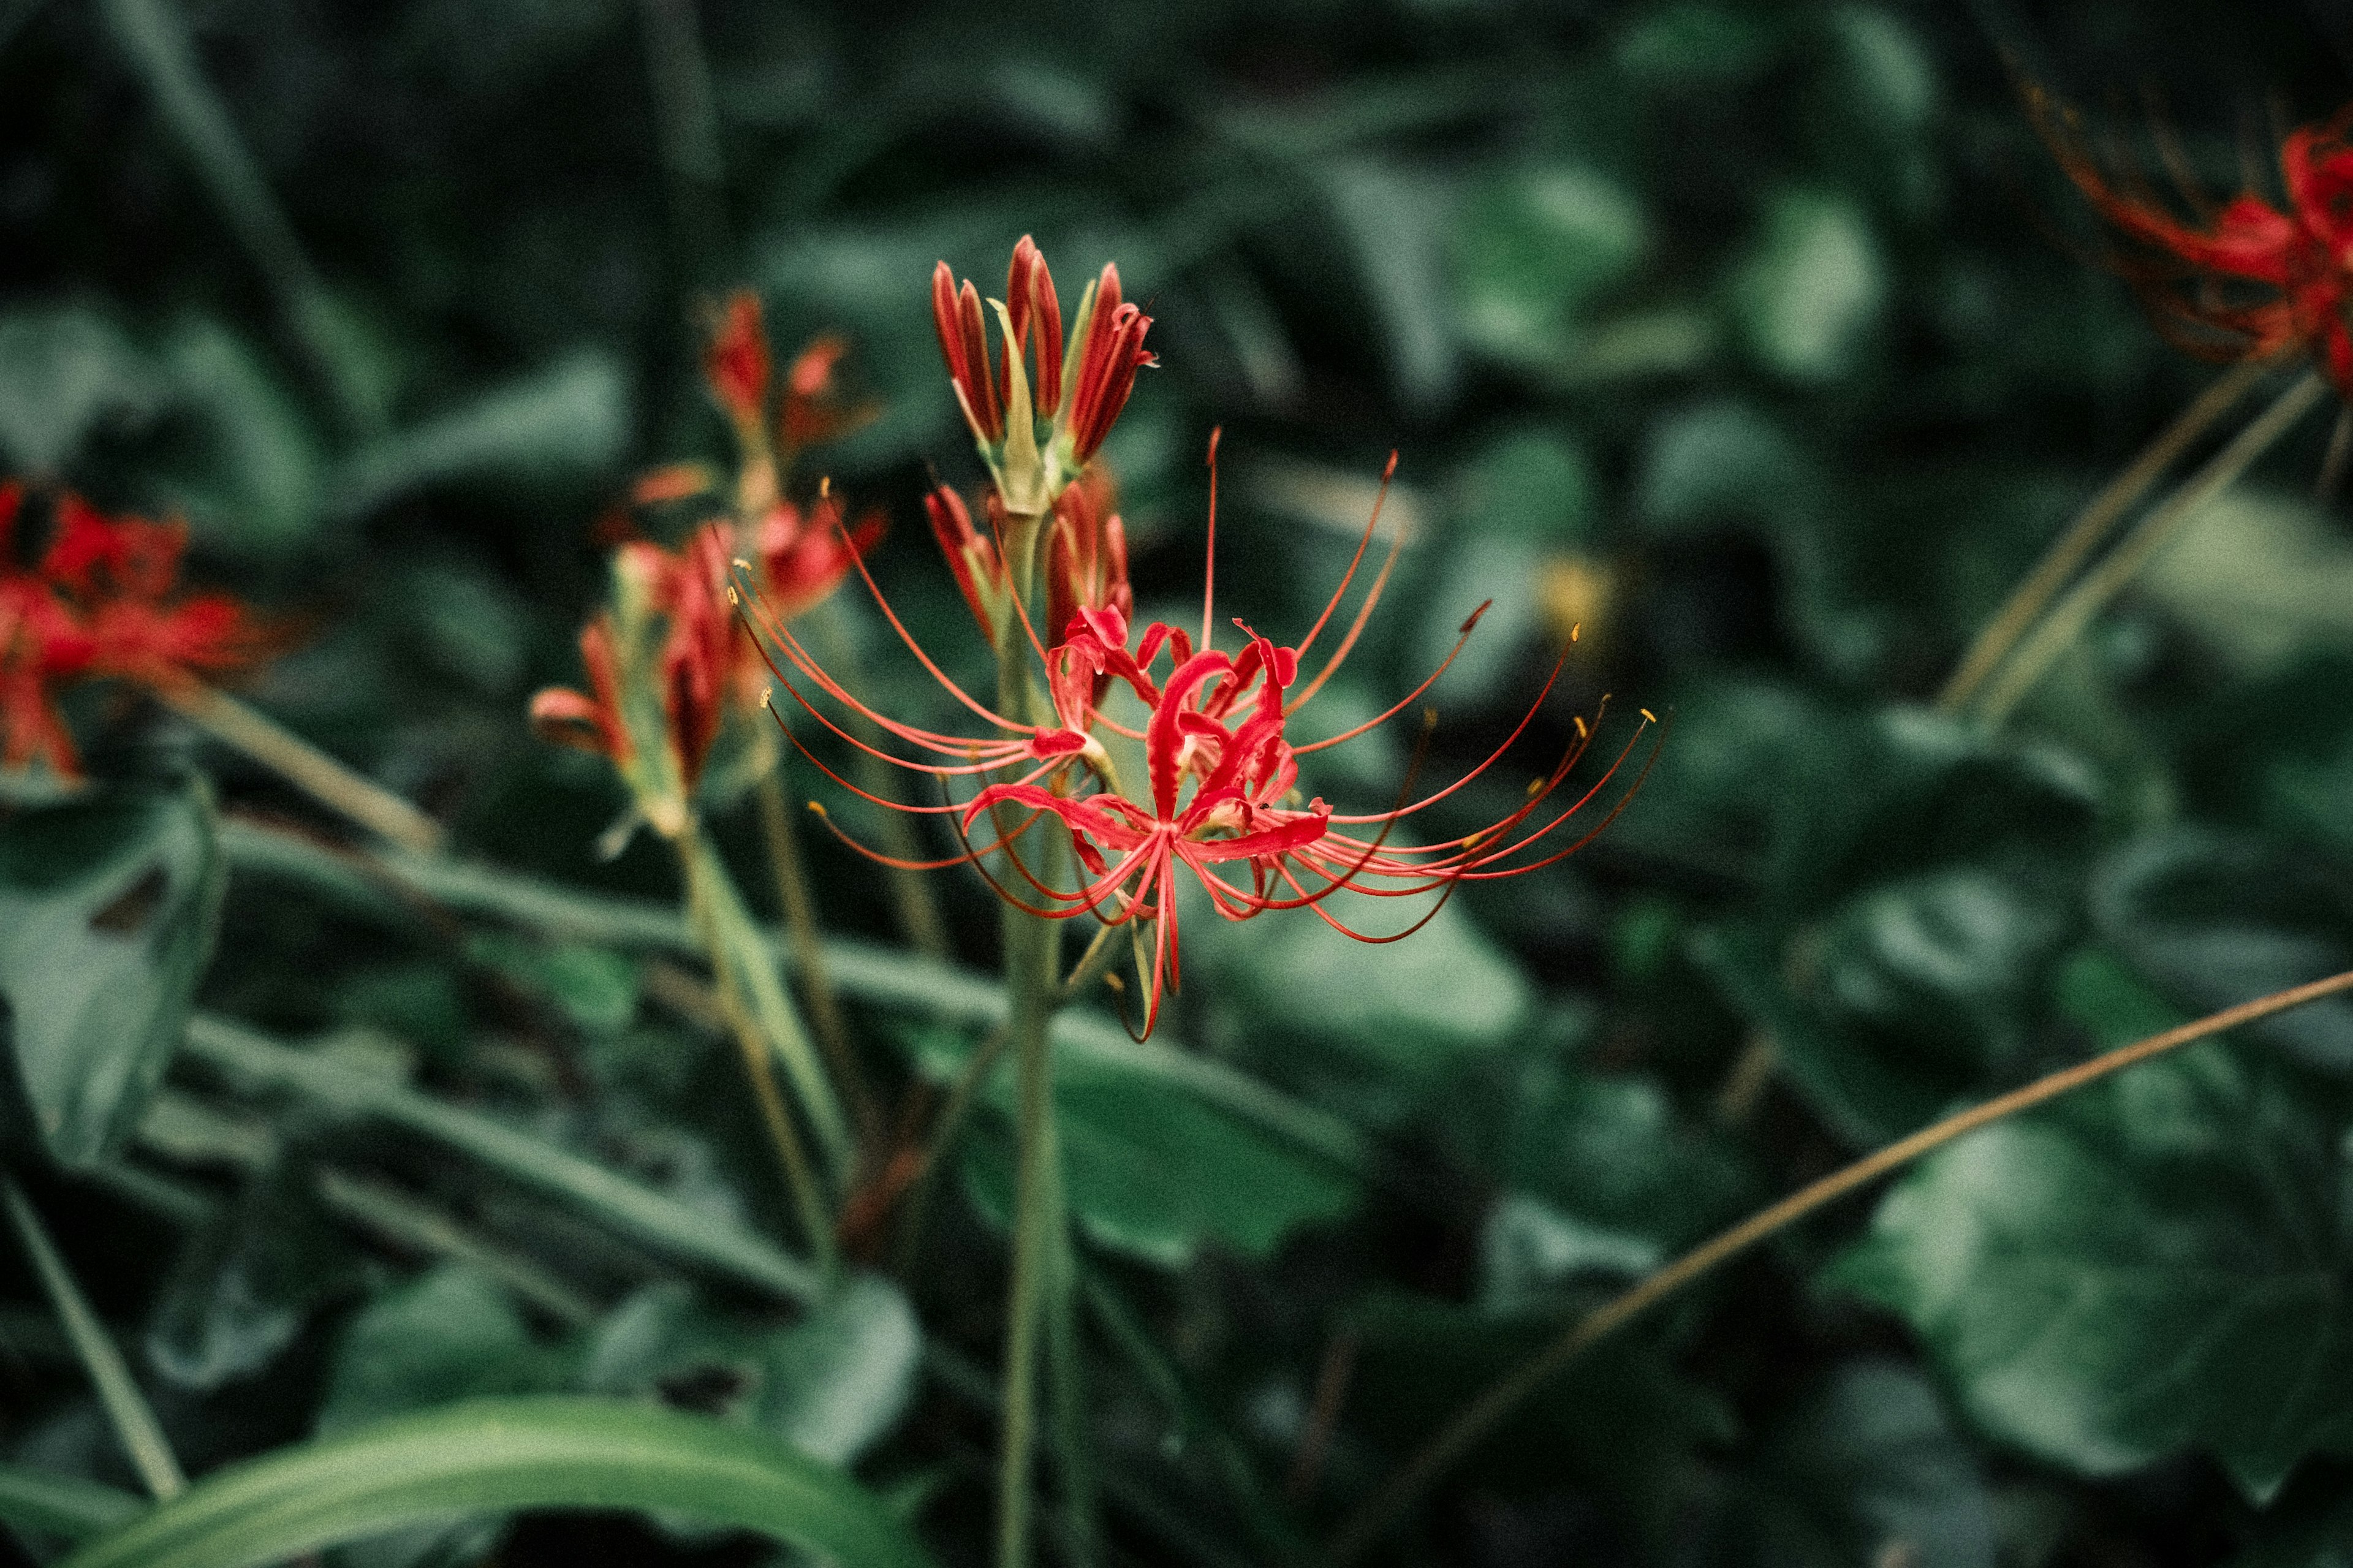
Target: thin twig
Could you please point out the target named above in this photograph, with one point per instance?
(134, 1424)
(1332, 1380)
(2072, 613)
(304, 765)
(1479, 1417)
(2091, 525)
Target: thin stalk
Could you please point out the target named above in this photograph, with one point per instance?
(800, 909)
(2072, 613)
(1409, 1480)
(760, 1068)
(302, 764)
(153, 35)
(741, 954)
(134, 1424)
(2075, 546)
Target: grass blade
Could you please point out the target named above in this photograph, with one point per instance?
(494, 1454)
(126, 1408)
(62, 1505)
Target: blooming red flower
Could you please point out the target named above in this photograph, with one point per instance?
(1219, 775)
(103, 599)
(1038, 427)
(803, 556)
(2248, 278)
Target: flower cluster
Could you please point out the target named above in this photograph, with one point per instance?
(2247, 278)
(102, 599)
(668, 661)
(1207, 733)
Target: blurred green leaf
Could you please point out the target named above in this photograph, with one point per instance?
(1865, 1471)
(571, 417)
(1394, 221)
(1811, 290)
(1530, 253)
(2260, 577)
(108, 903)
(245, 1284)
(595, 987)
(450, 1333)
(831, 1385)
(1153, 1170)
(1618, 1422)
(1694, 45)
(509, 1454)
(64, 371)
(2152, 1264)
(2215, 919)
(254, 479)
(65, 1506)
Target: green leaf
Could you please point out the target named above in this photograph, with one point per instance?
(2152, 1264)
(254, 484)
(2259, 578)
(1865, 1470)
(452, 1333)
(1618, 1422)
(65, 370)
(1693, 45)
(245, 1283)
(1393, 221)
(570, 417)
(1532, 250)
(595, 987)
(1812, 288)
(2214, 920)
(1153, 1170)
(496, 1455)
(67, 1506)
(108, 902)
(832, 1386)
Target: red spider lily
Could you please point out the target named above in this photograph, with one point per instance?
(803, 556)
(662, 664)
(1220, 771)
(103, 600)
(2246, 278)
(737, 364)
(1034, 437)
(972, 556)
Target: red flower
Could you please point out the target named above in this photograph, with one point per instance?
(1086, 553)
(2248, 279)
(1034, 438)
(802, 557)
(41, 646)
(592, 721)
(1219, 775)
(736, 362)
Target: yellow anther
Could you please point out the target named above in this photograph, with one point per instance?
(1653, 717)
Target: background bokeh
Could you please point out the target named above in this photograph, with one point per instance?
(1764, 342)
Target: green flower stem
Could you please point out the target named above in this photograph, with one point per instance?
(743, 956)
(2072, 613)
(2075, 546)
(126, 1408)
(399, 890)
(304, 765)
(1474, 1421)
(686, 107)
(766, 1031)
(800, 909)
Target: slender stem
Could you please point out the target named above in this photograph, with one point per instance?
(793, 897)
(155, 38)
(302, 764)
(742, 954)
(2072, 613)
(1409, 1480)
(759, 1064)
(117, 1391)
(2091, 525)
(2332, 462)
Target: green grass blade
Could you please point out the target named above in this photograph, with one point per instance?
(495, 1455)
(661, 1225)
(62, 1505)
(881, 976)
(117, 1391)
